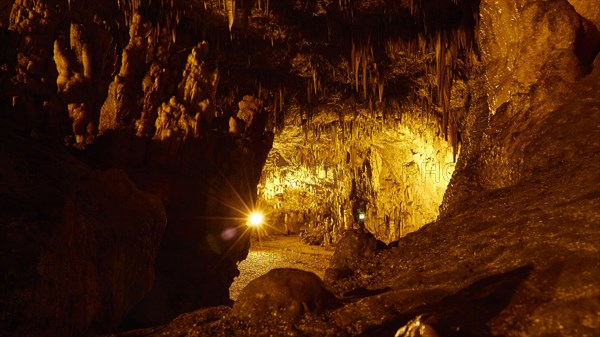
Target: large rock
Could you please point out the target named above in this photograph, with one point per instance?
(285, 294)
(354, 247)
(112, 84)
(524, 81)
(78, 245)
(530, 62)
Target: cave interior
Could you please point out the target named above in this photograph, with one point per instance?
(448, 150)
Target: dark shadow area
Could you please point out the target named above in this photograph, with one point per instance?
(587, 44)
(364, 292)
(466, 312)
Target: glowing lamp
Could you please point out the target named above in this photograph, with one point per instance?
(361, 216)
(256, 219)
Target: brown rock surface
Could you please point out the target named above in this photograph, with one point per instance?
(78, 245)
(283, 293)
(111, 79)
(517, 261)
(368, 101)
(354, 247)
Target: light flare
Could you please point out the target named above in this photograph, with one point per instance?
(256, 219)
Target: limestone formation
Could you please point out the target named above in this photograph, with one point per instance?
(115, 88)
(448, 148)
(121, 105)
(354, 247)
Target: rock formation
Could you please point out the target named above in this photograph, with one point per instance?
(284, 294)
(455, 142)
(112, 84)
(78, 246)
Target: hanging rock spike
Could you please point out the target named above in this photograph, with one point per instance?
(230, 10)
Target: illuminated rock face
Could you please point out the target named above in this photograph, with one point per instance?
(523, 85)
(393, 171)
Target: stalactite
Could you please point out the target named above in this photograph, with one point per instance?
(364, 77)
(259, 89)
(367, 73)
(355, 65)
(280, 99)
(315, 82)
(352, 58)
(230, 10)
(275, 96)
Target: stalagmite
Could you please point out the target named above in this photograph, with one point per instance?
(281, 99)
(314, 78)
(364, 77)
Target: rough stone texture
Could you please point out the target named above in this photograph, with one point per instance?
(78, 245)
(587, 44)
(184, 324)
(284, 293)
(537, 235)
(395, 170)
(589, 10)
(517, 261)
(35, 23)
(111, 80)
(354, 247)
(523, 81)
(519, 219)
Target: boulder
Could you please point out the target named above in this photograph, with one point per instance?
(284, 293)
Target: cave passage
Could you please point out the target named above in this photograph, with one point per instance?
(448, 149)
(279, 251)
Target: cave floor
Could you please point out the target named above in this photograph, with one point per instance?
(280, 251)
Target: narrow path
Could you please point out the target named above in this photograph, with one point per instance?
(279, 251)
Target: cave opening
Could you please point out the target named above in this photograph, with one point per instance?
(392, 174)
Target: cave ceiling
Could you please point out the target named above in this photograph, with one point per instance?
(364, 53)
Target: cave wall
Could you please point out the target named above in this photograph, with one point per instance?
(78, 245)
(113, 84)
(343, 143)
(184, 99)
(522, 85)
(170, 93)
(319, 177)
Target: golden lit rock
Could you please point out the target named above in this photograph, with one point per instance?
(447, 150)
(400, 170)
